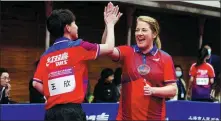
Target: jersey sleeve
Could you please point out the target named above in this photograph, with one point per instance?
(39, 73)
(92, 50)
(169, 71)
(123, 52)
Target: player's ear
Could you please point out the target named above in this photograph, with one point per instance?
(67, 28)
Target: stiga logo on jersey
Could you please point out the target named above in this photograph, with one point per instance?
(202, 72)
(102, 117)
(59, 60)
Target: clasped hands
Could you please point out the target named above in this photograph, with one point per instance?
(111, 14)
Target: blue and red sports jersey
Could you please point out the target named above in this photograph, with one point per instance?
(160, 71)
(201, 86)
(63, 71)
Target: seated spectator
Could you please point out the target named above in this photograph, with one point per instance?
(5, 86)
(34, 95)
(216, 90)
(181, 84)
(105, 90)
(201, 78)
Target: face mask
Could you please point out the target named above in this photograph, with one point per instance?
(209, 51)
(178, 73)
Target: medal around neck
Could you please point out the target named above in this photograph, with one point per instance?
(143, 69)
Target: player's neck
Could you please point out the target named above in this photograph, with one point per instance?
(147, 49)
(68, 36)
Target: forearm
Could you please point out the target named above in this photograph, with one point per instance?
(110, 38)
(38, 86)
(165, 92)
(188, 91)
(104, 36)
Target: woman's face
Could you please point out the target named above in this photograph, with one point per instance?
(144, 35)
(178, 72)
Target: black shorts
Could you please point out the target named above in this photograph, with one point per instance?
(65, 112)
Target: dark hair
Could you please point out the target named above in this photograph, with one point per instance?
(203, 52)
(58, 20)
(105, 73)
(117, 76)
(179, 66)
(2, 70)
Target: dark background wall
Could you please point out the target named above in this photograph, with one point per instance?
(23, 37)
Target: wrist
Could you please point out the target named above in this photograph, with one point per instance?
(153, 90)
(110, 25)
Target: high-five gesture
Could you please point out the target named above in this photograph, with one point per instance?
(111, 14)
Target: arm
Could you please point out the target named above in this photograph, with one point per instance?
(115, 53)
(211, 80)
(189, 87)
(104, 36)
(37, 82)
(109, 44)
(111, 16)
(167, 91)
(4, 99)
(38, 86)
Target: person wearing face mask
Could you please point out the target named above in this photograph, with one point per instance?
(181, 84)
(213, 59)
(201, 78)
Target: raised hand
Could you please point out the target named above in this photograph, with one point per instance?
(111, 14)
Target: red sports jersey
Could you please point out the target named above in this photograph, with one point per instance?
(63, 71)
(159, 71)
(201, 86)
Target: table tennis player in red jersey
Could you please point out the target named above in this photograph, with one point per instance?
(61, 74)
(148, 75)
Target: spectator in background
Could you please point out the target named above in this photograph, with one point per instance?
(201, 78)
(213, 59)
(181, 84)
(34, 95)
(5, 86)
(216, 90)
(105, 90)
(117, 80)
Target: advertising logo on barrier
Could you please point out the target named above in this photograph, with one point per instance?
(102, 117)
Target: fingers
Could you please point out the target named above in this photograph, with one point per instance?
(105, 10)
(147, 90)
(115, 11)
(110, 7)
